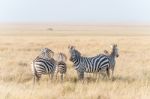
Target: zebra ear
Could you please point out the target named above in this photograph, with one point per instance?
(42, 49)
(116, 45)
(71, 47)
(106, 52)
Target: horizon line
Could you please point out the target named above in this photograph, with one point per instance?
(79, 23)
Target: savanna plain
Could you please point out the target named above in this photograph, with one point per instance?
(20, 44)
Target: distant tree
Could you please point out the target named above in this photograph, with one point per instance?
(50, 29)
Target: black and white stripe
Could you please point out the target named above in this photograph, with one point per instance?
(112, 56)
(43, 64)
(61, 65)
(88, 64)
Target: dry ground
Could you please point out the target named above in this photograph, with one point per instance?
(132, 72)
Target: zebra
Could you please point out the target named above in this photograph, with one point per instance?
(88, 64)
(112, 56)
(43, 64)
(61, 65)
(94, 64)
(106, 53)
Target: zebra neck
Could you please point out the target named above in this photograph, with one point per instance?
(78, 64)
(112, 58)
(112, 55)
(45, 56)
(77, 61)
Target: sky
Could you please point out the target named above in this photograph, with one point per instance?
(100, 11)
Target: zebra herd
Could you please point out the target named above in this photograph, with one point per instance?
(46, 64)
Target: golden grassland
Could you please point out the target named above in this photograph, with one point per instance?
(132, 72)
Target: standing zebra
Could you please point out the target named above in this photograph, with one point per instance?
(89, 64)
(43, 64)
(111, 56)
(95, 74)
(61, 65)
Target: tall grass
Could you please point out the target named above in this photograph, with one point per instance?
(132, 72)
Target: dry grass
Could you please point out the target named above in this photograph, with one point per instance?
(132, 73)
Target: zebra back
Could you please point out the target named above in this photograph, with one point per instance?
(61, 65)
(43, 64)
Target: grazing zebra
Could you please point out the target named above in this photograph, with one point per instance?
(88, 64)
(43, 64)
(111, 56)
(61, 65)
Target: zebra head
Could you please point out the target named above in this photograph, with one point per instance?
(62, 57)
(74, 54)
(47, 52)
(115, 50)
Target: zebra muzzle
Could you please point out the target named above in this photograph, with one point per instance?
(70, 59)
(117, 55)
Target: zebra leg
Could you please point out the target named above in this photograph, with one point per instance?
(49, 75)
(52, 76)
(103, 73)
(61, 77)
(33, 79)
(96, 74)
(112, 75)
(80, 75)
(56, 74)
(108, 73)
(66, 76)
(37, 79)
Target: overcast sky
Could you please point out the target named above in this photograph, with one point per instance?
(75, 11)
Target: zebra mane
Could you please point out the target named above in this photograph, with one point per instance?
(93, 56)
(77, 52)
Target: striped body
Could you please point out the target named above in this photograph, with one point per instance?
(43, 65)
(112, 57)
(88, 64)
(61, 67)
(95, 64)
(91, 64)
